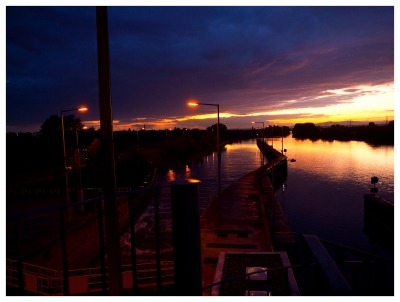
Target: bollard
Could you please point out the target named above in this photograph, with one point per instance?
(186, 237)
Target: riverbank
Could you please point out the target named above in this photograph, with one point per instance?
(132, 163)
(371, 134)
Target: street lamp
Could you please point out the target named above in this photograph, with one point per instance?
(78, 164)
(272, 138)
(137, 133)
(262, 135)
(65, 156)
(192, 103)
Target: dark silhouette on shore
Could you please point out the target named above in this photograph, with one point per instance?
(34, 160)
(371, 133)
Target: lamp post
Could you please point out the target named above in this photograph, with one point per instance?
(272, 138)
(262, 135)
(282, 139)
(69, 214)
(191, 103)
(79, 175)
(137, 133)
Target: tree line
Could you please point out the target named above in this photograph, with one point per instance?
(371, 133)
(135, 151)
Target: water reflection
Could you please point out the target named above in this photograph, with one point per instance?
(339, 162)
(325, 187)
(323, 193)
(171, 175)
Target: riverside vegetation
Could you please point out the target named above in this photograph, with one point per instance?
(35, 160)
(371, 133)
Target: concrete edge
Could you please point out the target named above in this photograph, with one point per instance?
(219, 271)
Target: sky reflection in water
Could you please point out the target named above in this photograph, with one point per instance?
(324, 190)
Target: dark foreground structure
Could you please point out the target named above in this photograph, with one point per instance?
(251, 251)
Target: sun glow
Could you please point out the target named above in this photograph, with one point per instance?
(359, 103)
(362, 103)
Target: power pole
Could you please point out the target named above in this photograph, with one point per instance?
(109, 182)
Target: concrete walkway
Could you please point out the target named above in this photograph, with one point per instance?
(242, 228)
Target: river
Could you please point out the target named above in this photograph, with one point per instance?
(323, 193)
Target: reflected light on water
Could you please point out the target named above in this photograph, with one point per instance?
(322, 195)
(171, 175)
(241, 146)
(187, 170)
(324, 191)
(343, 161)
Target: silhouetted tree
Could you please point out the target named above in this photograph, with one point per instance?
(52, 124)
(72, 123)
(306, 130)
(93, 150)
(222, 128)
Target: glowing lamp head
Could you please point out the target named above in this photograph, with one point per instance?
(192, 103)
(82, 109)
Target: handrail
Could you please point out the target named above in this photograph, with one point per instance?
(350, 249)
(248, 274)
(183, 189)
(61, 209)
(49, 281)
(336, 280)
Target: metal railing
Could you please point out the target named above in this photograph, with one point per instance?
(366, 276)
(45, 281)
(18, 273)
(366, 273)
(341, 270)
(247, 277)
(370, 280)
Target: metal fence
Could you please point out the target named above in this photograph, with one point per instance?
(365, 275)
(54, 282)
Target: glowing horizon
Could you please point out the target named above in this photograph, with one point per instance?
(357, 104)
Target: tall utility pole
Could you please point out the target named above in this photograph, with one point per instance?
(109, 182)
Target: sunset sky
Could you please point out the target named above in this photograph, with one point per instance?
(274, 64)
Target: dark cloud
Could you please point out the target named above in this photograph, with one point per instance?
(245, 58)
